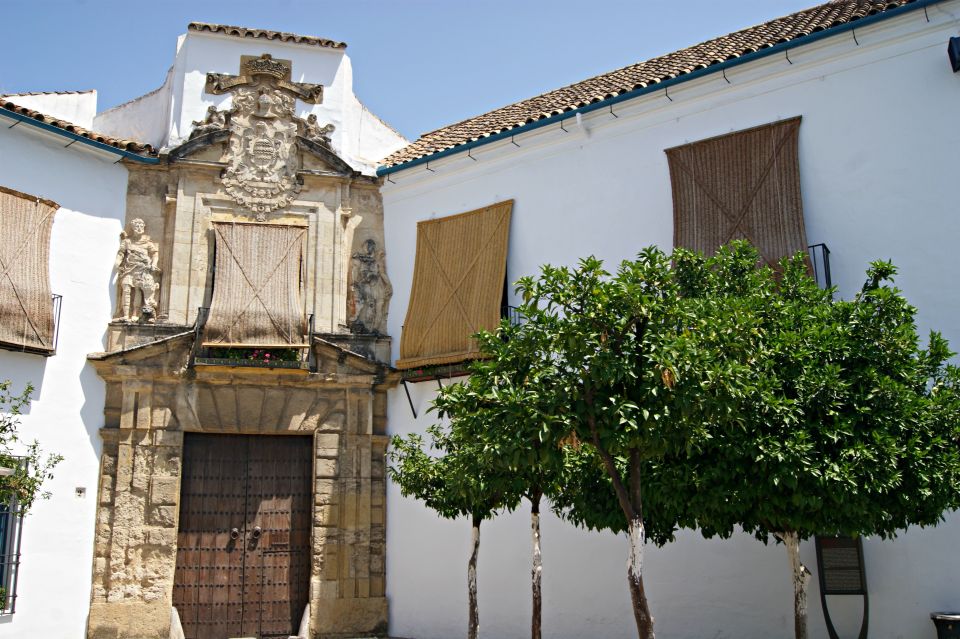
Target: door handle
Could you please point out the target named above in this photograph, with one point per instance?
(234, 533)
(256, 532)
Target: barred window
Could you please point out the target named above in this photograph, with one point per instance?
(11, 524)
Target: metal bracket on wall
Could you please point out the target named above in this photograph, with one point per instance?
(406, 389)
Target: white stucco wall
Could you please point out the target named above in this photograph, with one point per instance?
(877, 147)
(165, 117)
(76, 107)
(67, 411)
(143, 119)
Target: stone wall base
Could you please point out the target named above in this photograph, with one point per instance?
(347, 618)
(122, 620)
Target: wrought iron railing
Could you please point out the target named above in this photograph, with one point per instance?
(206, 355)
(820, 264)
(511, 313)
(11, 528)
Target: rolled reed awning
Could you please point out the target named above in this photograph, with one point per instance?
(256, 286)
(458, 279)
(743, 185)
(26, 306)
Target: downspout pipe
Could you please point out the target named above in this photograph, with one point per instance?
(123, 153)
(660, 86)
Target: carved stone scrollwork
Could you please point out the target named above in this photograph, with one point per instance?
(137, 275)
(371, 290)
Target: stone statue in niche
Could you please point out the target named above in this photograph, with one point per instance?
(316, 133)
(371, 290)
(137, 274)
(214, 121)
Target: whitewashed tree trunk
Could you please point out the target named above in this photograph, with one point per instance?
(801, 579)
(537, 570)
(474, 613)
(641, 609)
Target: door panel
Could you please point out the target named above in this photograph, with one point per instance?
(256, 584)
(280, 503)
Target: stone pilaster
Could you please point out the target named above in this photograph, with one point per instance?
(135, 548)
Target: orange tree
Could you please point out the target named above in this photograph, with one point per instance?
(849, 427)
(605, 375)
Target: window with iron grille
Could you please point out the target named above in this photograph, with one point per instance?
(11, 523)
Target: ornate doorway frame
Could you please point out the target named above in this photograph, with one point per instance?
(153, 398)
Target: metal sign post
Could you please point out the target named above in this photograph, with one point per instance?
(840, 569)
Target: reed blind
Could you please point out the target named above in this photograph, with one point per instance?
(744, 185)
(256, 286)
(26, 305)
(458, 278)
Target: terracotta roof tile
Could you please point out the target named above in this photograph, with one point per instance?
(127, 145)
(29, 93)
(642, 74)
(282, 36)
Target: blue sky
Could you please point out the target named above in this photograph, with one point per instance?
(418, 64)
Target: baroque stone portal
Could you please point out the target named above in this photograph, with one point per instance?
(137, 274)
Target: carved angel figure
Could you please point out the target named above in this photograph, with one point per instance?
(316, 133)
(137, 273)
(214, 121)
(371, 289)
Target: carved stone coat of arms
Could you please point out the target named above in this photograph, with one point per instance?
(262, 162)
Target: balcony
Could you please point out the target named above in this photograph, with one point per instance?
(250, 356)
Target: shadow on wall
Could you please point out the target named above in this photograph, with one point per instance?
(22, 369)
(94, 398)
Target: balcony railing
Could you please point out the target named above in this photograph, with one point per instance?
(820, 264)
(267, 357)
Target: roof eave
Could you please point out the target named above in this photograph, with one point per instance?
(659, 86)
(123, 153)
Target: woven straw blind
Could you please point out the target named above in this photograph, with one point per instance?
(26, 307)
(745, 185)
(256, 286)
(457, 286)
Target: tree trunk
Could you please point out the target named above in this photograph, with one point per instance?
(631, 502)
(801, 579)
(638, 596)
(474, 613)
(537, 570)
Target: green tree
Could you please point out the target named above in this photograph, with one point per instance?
(461, 480)
(850, 427)
(504, 408)
(31, 468)
(632, 367)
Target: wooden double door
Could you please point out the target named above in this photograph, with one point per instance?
(243, 553)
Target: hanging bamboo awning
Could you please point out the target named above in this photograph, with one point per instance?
(457, 289)
(26, 306)
(744, 185)
(256, 286)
